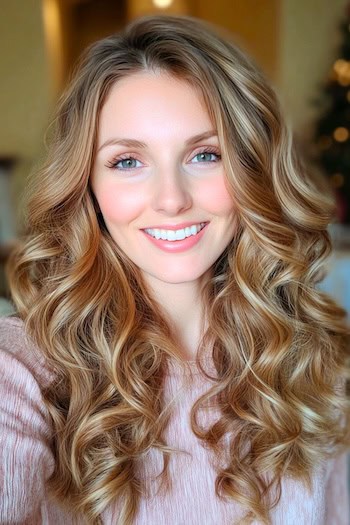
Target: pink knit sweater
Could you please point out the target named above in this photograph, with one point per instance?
(26, 461)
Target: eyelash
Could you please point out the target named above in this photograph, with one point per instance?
(210, 150)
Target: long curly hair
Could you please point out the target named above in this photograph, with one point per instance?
(278, 344)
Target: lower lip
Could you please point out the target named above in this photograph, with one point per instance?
(177, 246)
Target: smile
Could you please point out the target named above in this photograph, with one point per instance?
(175, 235)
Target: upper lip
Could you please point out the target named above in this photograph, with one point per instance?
(174, 227)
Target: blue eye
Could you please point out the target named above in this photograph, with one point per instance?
(206, 156)
(128, 163)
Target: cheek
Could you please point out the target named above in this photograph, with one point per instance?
(119, 205)
(215, 197)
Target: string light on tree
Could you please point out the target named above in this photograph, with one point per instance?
(341, 134)
(342, 70)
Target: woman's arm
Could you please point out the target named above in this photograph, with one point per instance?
(337, 493)
(26, 461)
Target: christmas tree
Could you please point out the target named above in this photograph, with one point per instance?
(332, 133)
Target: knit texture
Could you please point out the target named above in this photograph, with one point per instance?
(26, 461)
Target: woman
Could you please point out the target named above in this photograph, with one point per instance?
(172, 360)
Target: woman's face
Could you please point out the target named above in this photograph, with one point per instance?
(159, 180)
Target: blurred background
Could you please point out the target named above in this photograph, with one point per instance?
(303, 46)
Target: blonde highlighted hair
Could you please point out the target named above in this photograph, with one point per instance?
(279, 344)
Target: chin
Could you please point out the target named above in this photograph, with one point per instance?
(177, 277)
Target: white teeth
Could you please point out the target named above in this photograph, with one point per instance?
(180, 235)
(171, 235)
(175, 235)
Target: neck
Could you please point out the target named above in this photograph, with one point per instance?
(183, 308)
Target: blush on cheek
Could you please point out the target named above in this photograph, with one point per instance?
(217, 199)
(120, 207)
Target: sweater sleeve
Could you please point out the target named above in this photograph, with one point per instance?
(26, 461)
(337, 493)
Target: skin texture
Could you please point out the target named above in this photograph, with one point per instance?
(169, 183)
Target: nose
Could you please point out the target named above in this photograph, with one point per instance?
(172, 193)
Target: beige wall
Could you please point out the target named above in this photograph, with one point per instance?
(25, 83)
(255, 24)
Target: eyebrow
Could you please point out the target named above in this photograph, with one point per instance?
(132, 143)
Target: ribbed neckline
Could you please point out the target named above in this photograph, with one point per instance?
(189, 367)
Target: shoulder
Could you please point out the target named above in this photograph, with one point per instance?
(11, 328)
(25, 427)
(19, 351)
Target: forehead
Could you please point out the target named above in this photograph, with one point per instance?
(150, 100)
(159, 82)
